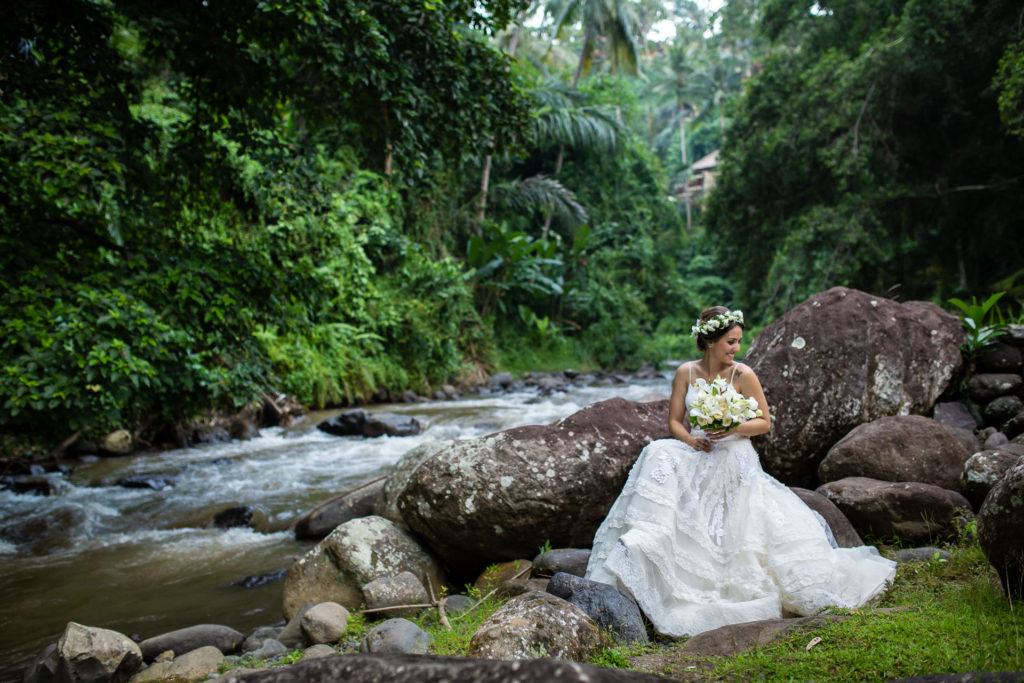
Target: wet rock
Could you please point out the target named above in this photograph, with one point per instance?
(388, 591)
(923, 554)
(324, 623)
(156, 482)
(501, 496)
(369, 668)
(1015, 425)
(118, 442)
(1000, 521)
(44, 668)
(387, 505)
(1001, 410)
(191, 666)
(224, 638)
(254, 640)
(260, 580)
(86, 654)
(913, 512)
(995, 440)
(829, 365)
(356, 502)
(241, 515)
(985, 387)
(318, 651)
(569, 560)
(535, 625)
(269, 650)
(353, 555)
(394, 637)
(292, 635)
(502, 381)
(966, 438)
(983, 469)
(35, 486)
(391, 424)
(842, 531)
(897, 448)
(348, 423)
(999, 357)
(613, 610)
(955, 414)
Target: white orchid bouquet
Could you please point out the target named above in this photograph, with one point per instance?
(720, 406)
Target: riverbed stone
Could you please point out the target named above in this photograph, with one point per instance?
(117, 442)
(502, 496)
(999, 357)
(926, 553)
(87, 654)
(968, 439)
(569, 560)
(613, 610)
(1000, 521)
(387, 505)
(391, 424)
(897, 448)
(913, 512)
(254, 640)
(401, 589)
(318, 651)
(347, 423)
(353, 555)
(191, 666)
(1001, 410)
(842, 531)
(987, 386)
(44, 668)
(830, 364)
(269, 650)
(983, 469)
(224, 638)
(955, 414)
(253, 516)
(995, 440)
(500, 572)
(535, 625)
(292, 634)
(324, 623)
(325, 517)
(394, 637)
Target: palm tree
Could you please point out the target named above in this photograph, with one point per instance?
(610, 21)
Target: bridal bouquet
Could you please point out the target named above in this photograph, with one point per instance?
(718, 405)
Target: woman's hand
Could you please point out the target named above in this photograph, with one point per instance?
(714, 435)
(701, 443)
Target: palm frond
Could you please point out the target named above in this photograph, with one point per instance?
(540, 193)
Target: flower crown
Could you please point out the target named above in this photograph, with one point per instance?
(722, 321)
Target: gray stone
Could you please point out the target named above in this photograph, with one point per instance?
(1014, 427)
(292, 634)
(354, 503)
(353, 555)
(999, 357)
(513, 587)
(967, 439)
(367, 668)
(324, 623)
(897, 448)
(912, 512)
(44, 668)
(457, 604)
(995, 440)
(498, 573)
(1000, 521)
(348, 423)
(502, 381)
(501, 496)
(191, 666)
(253, 516)
(86, 654)
(736, 638)
(396, 636)
(569, 560)
(842, 531)
(388, 591)
(955, 414)
(118, 442)
(830, 364)
(535, 625)
(224, 638)
(612, 609)
(269, 650)
(318, 651)
(983, 469)
(985, 387)
(923, 554)
(254, 641)
(391, 424)
(1001, 410)
(387, 505)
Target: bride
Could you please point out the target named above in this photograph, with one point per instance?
(702, 537)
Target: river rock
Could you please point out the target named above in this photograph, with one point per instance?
(292, 635)
(391, 424)
(387, 505)
(983, 469)
(270, 649)
(923, 554)
(318, 651)
(1001, 410)
(157, 482)
(569, 560)
(388, 591)
(955, 414)
(987, 386)
(842, 531)
(999, 357)
(513, 587)
(324, 518)
(191, 666)
(500, 572)
(1015, 426)
(612, 609)
(44, 668)
(325, 623)
(502, 496)
(1000, 521)
(224, 638)
(502, 381)
(897, 448)
(995, 440)
(252, 516)
(369, 668)
(395, 637)
(967, 439)
(832, 363)
(254, 640)
(912, 512)
(86, 654)
(535, 625)
(348, 423)
(351, 556)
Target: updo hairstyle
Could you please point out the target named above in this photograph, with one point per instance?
(704, 339)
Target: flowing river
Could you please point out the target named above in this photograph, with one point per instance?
(143, 562)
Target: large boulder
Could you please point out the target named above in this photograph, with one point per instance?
(500, 497)
(912, 512)
(224, 638)
(86, 654)
(386, 505)
(842, 531)
(612, 609)
(843, 358)
(196, 665)
(534, 625)
(325, 517)
(1000, 521)
(983, 469)
(353, 555)
(956, 415)
(898, 448)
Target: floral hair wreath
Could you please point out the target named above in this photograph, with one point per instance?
(722, 321)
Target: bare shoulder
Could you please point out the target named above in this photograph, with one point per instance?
(744, 373)
(684, 370)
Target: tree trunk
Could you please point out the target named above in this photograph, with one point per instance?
(485, 179)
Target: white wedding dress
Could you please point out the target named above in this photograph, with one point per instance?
(702, 540)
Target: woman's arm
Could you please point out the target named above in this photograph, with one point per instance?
(678, 424)
(747, 384)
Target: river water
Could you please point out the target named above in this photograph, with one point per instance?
(143, 562)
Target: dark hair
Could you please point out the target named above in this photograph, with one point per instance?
(704, 339)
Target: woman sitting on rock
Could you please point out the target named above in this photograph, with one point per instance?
(701, 536)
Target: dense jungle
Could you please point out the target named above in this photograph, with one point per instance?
(202, 203)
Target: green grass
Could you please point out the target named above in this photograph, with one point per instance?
(456, 641)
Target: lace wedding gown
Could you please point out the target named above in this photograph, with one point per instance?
(702, 540)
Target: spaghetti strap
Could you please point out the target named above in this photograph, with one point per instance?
(735, 365)
(689, 368)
